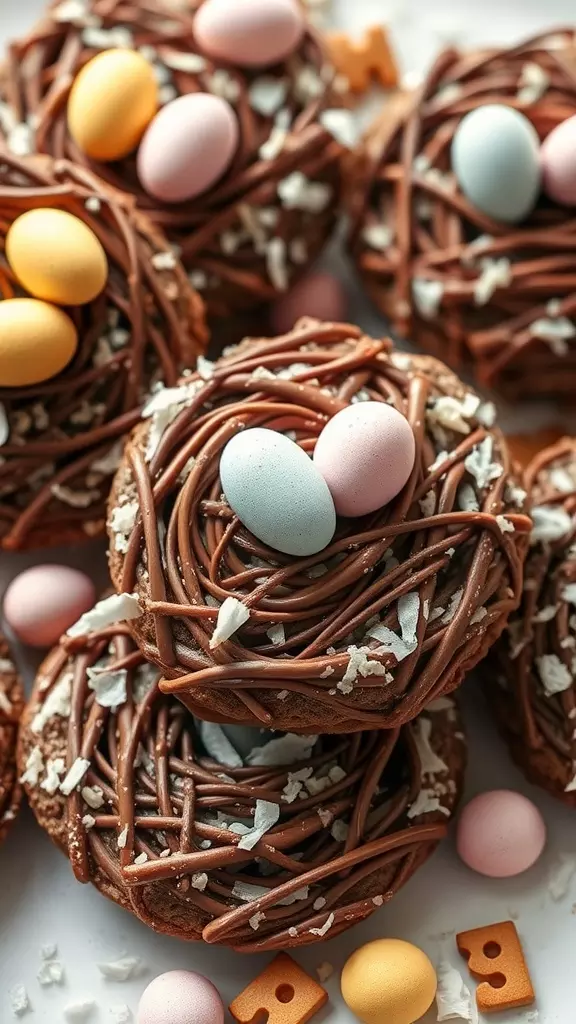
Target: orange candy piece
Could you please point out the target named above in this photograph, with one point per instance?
(495, 956)
(372, 57)
(284, 991)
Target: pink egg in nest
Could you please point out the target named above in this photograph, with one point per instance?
(558, 163)
(500, 833)
(180, 997)
(319, 294)
(366, 454)
(249, 33)
(43, 602)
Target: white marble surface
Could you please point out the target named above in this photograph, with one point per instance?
(41, 903)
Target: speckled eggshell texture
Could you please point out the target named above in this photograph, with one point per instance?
(365, 454)
(500, 833)
(180, 997)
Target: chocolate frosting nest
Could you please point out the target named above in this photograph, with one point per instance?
(241, 241)
(64, 435)
(11, 705)
(534, 695)
(436, 572)
(463, 286)
(157, 823)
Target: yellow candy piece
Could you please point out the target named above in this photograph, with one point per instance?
(388, 981)
(37, 341)
(112, 101)
(56, 257)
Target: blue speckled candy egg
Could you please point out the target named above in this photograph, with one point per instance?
(495, 157)
(277, 492)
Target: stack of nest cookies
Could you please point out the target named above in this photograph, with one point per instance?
(254, 740)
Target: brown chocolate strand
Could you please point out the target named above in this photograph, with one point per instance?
(401, 182)
(146, 326)
(187, 552)
(11, 705)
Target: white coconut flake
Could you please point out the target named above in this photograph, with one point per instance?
(339, 831)
(267, 94)
(554, 675)
(89, 822)
(93, 796)
(550, 523)
(51, 973)
(427, 296)
(122, 520)
(276, 633)
(451, 413)
(495, 273)
(164, 260)
(123, 969)
(205, 367)
(276, 263)
(55, 769)
(57, 703)
(467, 500)
(265, 817)
(408, 615)
(20, 140)
(480, 465)
(378, 236)
(122, 1014)
(453, 999)
(19, 1001)
(562, 481)
(79, 1010)
(286, 750)
(199, 881)
(219, 746)
(191, 63)
(560, 877)
(256, 920)
(74, 776)
(231, 616)
(546, 614)
(426, 802)
(324, 971)
(359, 664)
(75, 499)
(428, 504)
(534, 81)
(555, 332)
(571, 787)
(34, 767)
(109, 611)
(390, 641)
(568, 593)
(122, 838)
(455, 602)
(430, 763)
(163, 408)
(321, 932)
(297, 192)
(504, 524)
(109, 687)
(341, 125)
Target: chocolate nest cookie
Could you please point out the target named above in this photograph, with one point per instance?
(259, 226)
(363, 634)
(298, 839)
(468, 288)
(62, 437)
(534, 694)
(11, 706)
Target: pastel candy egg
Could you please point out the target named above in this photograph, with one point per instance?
(56, 257)
(37, 341)
(112, 101)
(366, 454)
(180, 997)
(188, 147)
(558, 163)
(388, 981)
(43, 602)
(495, 157)
(277, 492)
(500, 833)
(249, 33)
(318, 294)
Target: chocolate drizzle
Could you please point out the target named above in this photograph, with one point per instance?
(457, 572)
(64, 433)
(357, 814)
(11, 705)
(427, 255)
(240, 241)
(535, 695)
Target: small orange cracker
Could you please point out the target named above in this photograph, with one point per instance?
(494, 954)
(371, 57)
(284, 991)
(525, 447)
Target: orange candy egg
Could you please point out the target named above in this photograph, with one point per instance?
(37, 341)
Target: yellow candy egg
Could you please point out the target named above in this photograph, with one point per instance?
(37, 341)
(388, 981)
(112, 101)
(56, 257)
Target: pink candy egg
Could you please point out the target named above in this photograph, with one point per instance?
(43, 602)
(366, 454)
(500, 833)
(249, 33)
(188, 146)
(180, 997)
(558, 163)
(318, 294)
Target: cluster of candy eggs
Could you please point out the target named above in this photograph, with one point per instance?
(362, 459)
(186, 146)
(57, 260)
(502, 167)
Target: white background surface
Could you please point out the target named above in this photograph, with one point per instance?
(40, 901)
